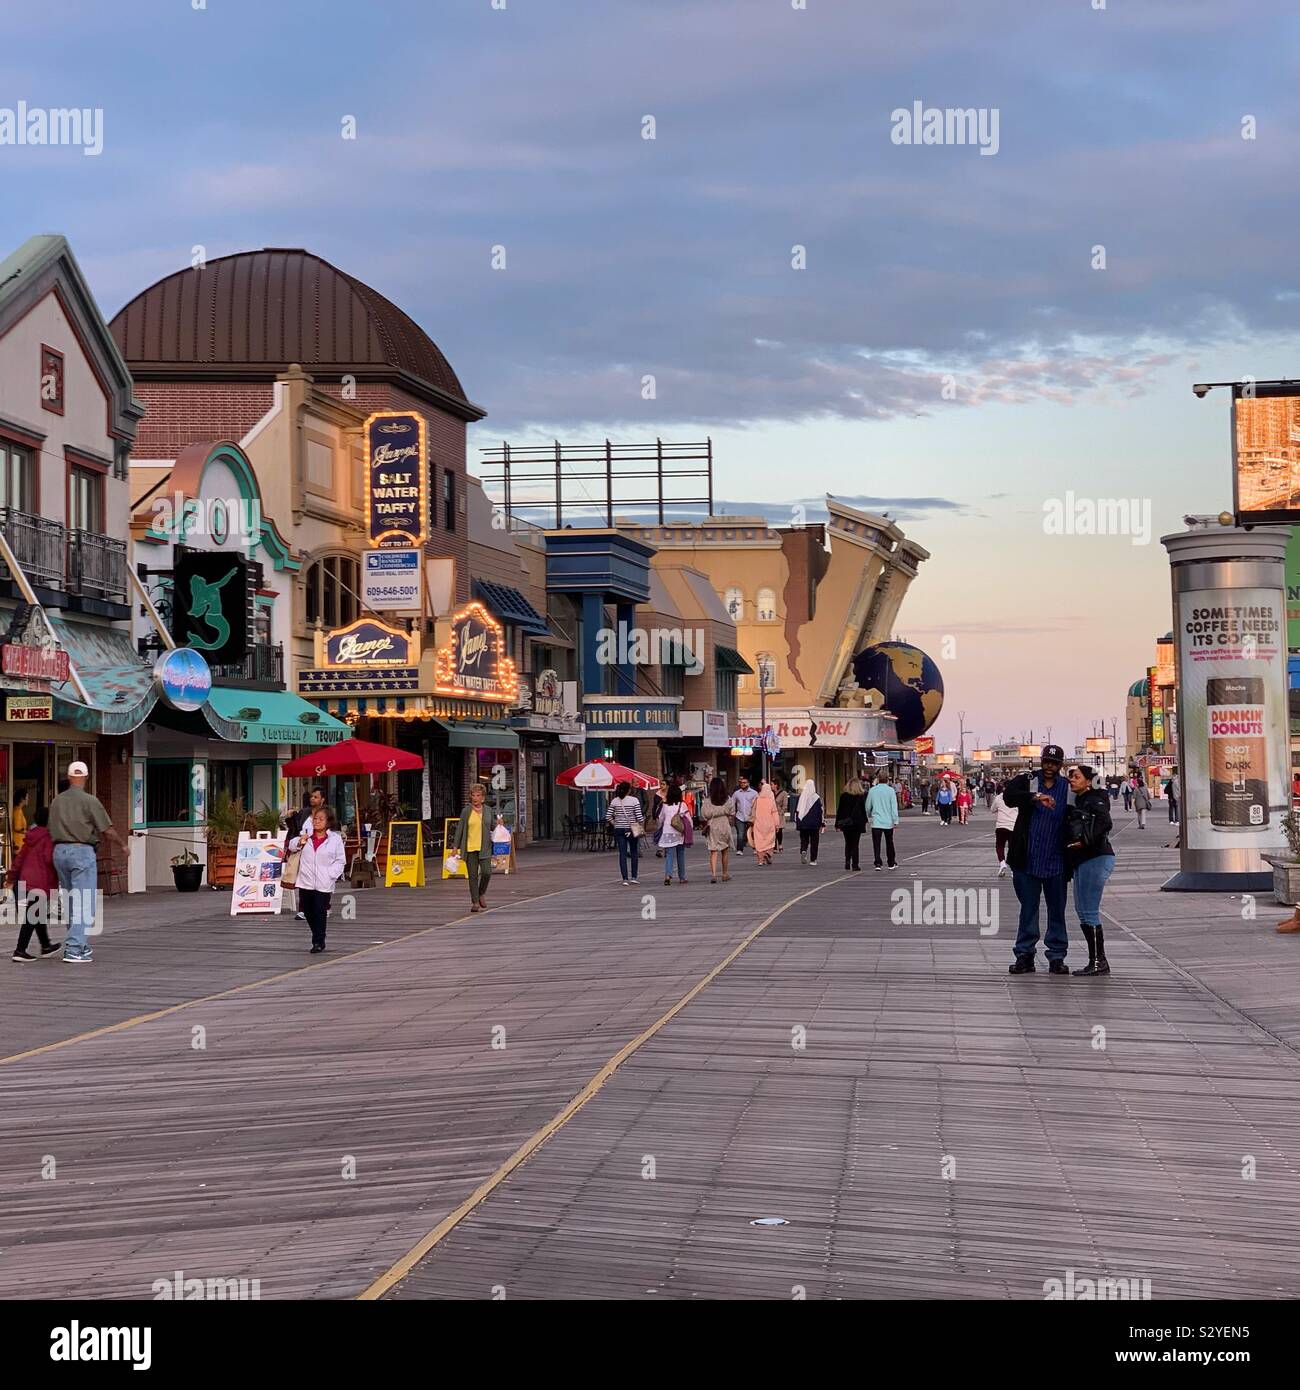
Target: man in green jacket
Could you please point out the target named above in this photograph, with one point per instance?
(882, 816)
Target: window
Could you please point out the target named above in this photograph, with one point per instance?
(17, 477)
(766, 671)
(51, 379)
(724, 689)
(448, 500)
(672, 680)
(167, 793)
(766, 606)
(735, 604)
(331, 592)
(85, 499)
(231, 777)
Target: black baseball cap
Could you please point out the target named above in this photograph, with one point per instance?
(1052, 753)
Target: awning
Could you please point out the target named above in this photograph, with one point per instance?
(725, 659)
(119, 683)
(242, 715)
(510, 606)
(472, 735)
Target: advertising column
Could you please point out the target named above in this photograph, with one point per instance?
(1229, 599)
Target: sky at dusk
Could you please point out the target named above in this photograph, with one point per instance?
(927, 266)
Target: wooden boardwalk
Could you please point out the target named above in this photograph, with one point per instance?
(920, 1052)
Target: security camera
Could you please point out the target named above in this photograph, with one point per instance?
(1200, 390)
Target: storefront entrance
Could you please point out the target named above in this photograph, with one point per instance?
(31, 775)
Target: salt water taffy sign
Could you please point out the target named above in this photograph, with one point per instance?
(397, 487)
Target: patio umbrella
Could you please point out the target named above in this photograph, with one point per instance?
(601, 775)
(352, 757)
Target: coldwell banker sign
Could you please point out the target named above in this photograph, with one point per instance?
(397, 502)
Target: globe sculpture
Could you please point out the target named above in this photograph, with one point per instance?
(903, 680)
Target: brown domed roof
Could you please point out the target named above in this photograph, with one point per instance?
(248, 316)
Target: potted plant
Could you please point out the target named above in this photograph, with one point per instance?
(225, 820)
(187, 871)
(1286, 867)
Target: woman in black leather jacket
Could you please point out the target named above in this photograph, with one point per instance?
(1089, 861)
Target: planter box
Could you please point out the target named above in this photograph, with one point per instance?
(221, 865)
(1286, 879)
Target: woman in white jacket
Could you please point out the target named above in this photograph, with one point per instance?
(1002, 835)
(320, 868)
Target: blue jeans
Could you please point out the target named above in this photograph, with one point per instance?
(1089, 884)
(678, 851)
(1028, 887)
(628, 844)
(78, 873)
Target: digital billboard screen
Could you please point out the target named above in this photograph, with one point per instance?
(1266, 456)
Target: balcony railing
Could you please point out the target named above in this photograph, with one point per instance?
(97, 566)
(77, 562)
(260, 663)
(39, 545)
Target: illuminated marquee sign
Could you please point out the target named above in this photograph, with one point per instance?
(397, 479)
(368, 642)
(474, 662)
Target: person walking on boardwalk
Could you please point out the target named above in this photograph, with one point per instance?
(628, 821)
(1006, 823)
(851, 821)
(475, 847)
(809, 818)
(744, 797)
(766, 822)
(35, 883)
(926, 791)
(1128, 795)
(1141, 802)
(674, 820)
(882, 812)
(1037, 858)
(1089, 861)
(77, 822)
(324, 859)
(944, 799)
(990, 793)
(782, 811)
(295, 822)
(717, 811)
(1171, 791)
(965, 800)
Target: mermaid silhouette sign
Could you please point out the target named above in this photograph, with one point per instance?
(210, 604)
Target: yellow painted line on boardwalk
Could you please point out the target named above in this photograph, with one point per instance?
(417, 1252)
(138, 1019)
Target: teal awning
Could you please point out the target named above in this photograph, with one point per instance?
(270, 716)
(471, 735)
(118, 682)
(725, 659)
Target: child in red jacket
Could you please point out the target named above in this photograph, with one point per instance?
(33, 874)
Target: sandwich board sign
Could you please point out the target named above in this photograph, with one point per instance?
(259, 873)
(405, 854)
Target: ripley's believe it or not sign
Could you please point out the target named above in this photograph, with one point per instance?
(474, 662)
(397, 499)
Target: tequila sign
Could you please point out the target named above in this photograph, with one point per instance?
(397, 499)
(475, 662)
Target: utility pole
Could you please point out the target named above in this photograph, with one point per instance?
(961, 743)
(762, 712)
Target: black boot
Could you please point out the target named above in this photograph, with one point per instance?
(1097, 964)
(1091, 939)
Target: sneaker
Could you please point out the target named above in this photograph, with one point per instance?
(636, 880)
(878, 868)
(803, 856)
(667, 881)
(299, 916)
(78, 960)
(892, 867)
(51, 948)
(1002, 869)
(21, 956)
(627, 883)
(315, 950)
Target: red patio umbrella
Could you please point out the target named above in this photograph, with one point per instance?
(352, 757)
(599, 774)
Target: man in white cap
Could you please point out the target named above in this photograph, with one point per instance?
(77, 821)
